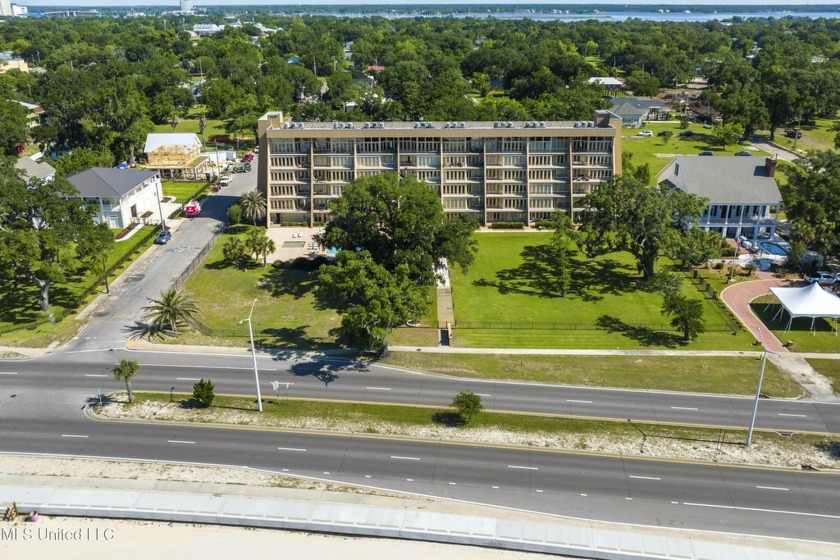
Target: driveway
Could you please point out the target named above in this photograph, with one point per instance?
(738, 297)
(158, 268)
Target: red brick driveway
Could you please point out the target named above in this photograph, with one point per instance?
(738, 297)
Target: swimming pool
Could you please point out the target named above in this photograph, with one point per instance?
(332, 250)
(773, 248)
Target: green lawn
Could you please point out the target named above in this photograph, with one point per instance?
(814, 136)
(183, 191)
(20, 306)
(426, 333)
(724, 375)
(287, 314)
(656, 153)
(830, 369)
(824, 338)
(509, 299)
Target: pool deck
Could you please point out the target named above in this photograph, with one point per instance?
(281, 235)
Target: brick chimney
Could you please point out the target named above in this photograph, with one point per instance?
(770, 166)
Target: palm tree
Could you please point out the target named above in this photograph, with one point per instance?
(237, 252)
(260, 244)
(253, 206)
(124, 371)
(174, 309)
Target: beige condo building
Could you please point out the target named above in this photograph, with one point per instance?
(495, 171)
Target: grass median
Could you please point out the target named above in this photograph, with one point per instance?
(435, 423)
(697, 374)
(830, 369)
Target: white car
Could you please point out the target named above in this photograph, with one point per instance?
(646, 133)
(224, 180)
(823, 278)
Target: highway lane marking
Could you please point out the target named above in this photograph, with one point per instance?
(181, 441)
(378, 388)
(576, 401)
(525, 468)
(8, 373)
(367, 476)
(187, 379)
(629, 499)
(539, 491)
(684, 408)
(452, 484)
(494, 487)
(73, 435)
(585, 495)
(325, 472)
(437, 442)
(645, 477)
(773, 488)
(482, 395)
(95, 375)
(405, 458)
(762, 510)
(409, 480)
(291, 449)
(794, 415)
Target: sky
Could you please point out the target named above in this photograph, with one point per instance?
(772, 3)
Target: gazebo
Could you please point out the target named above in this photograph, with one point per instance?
(810, 301)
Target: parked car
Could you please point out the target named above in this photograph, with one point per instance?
(823, 278)
(224, 180)
(793, 133)
(687, 133)
(257, 150)
(647, 133)
(163, 237)
(192, 208)
(707, 153)
(744, 153)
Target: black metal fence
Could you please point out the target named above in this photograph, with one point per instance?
(608, 325)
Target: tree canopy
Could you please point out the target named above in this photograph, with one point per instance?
(627, 215)
(399, 221)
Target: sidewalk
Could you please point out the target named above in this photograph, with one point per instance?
(408, 518)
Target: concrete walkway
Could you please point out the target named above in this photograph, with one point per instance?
(358, 514)
(445, 306)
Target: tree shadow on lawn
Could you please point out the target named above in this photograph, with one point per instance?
(643, 335)
(448, 418)
(286, 337)
(537, 276)
(195, 404)
(288, 282)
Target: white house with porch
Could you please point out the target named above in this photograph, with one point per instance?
(120, 196)
(744, 198)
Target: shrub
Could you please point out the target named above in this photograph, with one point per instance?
(203, 392)
(545, 224)
(718, 265)
(507, 225)
(235, 214)
(307, 264)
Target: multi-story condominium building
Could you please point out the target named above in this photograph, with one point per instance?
(494, 171)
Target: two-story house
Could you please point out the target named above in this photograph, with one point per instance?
(744, 198)
(119, 196)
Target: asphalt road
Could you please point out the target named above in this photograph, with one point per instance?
(773, 502)
(347, 380)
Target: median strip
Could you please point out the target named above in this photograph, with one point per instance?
(489, 428)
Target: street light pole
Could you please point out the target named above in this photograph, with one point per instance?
(160, 211)
(254, 354)
(757, 391)
(105, 275)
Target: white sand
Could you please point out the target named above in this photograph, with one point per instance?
(145, 540)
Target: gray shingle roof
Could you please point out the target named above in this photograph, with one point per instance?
(723, 179)
(105, 181)
(34, 170)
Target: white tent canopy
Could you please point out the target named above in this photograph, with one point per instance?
(811, 301)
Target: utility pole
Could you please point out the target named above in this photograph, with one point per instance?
(757, 391)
